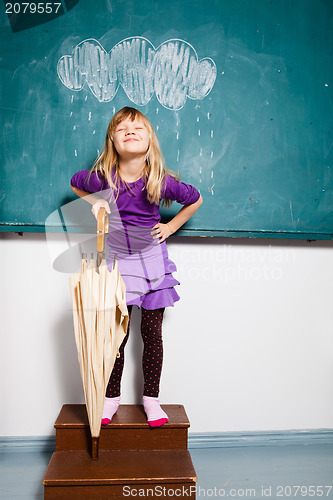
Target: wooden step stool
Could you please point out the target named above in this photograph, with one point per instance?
(134, 459)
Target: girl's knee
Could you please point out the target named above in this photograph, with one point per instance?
(151, 325)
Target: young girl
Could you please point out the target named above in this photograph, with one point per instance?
(129, 179)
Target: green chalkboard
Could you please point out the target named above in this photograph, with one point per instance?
(239, 92)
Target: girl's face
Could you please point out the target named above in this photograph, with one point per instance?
(131, 139)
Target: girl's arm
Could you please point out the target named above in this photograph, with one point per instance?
(184, 215)
(96, 201)
(163, 231)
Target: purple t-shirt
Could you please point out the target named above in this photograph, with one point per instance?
(132, 204)
(143, 262)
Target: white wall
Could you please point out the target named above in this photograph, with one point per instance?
(248, 347)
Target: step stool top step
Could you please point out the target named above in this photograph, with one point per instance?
(130, 416)
(75, 468)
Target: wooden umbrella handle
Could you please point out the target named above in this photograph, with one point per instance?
(102, 229)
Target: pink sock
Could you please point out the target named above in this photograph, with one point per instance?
(155, 415)
(110, 408)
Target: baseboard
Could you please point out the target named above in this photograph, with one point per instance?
(260, 438)
(41, 444)
(46, 444)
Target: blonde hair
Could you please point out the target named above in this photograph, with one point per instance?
(155, 170)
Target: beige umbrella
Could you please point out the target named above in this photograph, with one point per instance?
(100, 323)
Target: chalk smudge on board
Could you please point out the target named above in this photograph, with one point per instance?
(291, 212)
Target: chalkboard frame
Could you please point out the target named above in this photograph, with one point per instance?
(248, 190)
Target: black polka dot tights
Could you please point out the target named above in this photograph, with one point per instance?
(151, 332)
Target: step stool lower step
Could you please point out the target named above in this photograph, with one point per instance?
(72, 475)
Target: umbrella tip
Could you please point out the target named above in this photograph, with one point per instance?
(94, 447)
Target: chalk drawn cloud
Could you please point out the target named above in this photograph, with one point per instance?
(172, 71)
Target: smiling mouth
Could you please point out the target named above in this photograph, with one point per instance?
(131, 139)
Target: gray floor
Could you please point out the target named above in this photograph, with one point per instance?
(250, 472)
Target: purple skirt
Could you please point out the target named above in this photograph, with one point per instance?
(144, 265)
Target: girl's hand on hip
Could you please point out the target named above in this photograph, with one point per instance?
(100, 204)
(161, 232)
